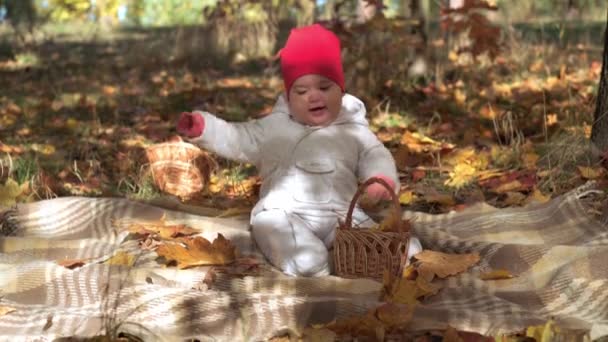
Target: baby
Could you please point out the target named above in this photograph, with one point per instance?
(312, 151)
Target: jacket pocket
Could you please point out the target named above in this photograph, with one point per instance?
(314, 181)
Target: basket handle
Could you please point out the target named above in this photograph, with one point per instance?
(362, 187)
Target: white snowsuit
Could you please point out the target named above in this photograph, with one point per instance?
(309, 176)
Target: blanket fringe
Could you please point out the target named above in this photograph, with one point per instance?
(8, 221)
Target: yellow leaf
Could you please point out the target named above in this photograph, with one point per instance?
(236, 211)
(460, 97)
(164, 231)
(510, 186)
(5, 310)
(71, 123)
(551, 120)
(400, 290)
(590, 172)
(487, 174)
(45, 149)
(537, 197)
(496, 275)
(443, 265)
(462, 175)
(121, 258)
(419, 143)
(9, 192)
(407, 197)
(529, 160)
(199, 251)
(542, 333)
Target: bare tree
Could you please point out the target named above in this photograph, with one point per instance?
(599, 132)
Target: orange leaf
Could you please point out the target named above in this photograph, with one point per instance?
(496, 275)
(5, 310)
(394, 315)
(510, 186)
(590, 172)
(199, 251)
(165, 232)
(443, 265)
(71, 263)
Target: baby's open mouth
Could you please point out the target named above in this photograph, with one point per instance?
(316, 110)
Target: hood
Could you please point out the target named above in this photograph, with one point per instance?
(353, 110)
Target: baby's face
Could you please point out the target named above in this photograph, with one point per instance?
(315, 100)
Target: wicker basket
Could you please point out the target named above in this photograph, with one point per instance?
(367, 253)
(179, 168)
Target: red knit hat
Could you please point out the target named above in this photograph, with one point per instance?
(311, 50)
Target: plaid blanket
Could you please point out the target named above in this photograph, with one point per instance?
(557, 252)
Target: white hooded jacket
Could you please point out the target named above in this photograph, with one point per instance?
(304, 169)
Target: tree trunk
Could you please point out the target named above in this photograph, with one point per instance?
(306, 12)
(599, 131)
(21, 12)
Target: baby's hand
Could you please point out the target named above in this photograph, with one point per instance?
(190, 125)
(376, 192)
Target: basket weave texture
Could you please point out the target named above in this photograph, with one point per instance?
(368, 252)
(179, 168)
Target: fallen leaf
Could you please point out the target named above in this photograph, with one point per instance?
(443, 199)
(451, 335)
(394, 314)
(318, 335)
(236, 211)
(165, 232)
(537, 197)
(72, 263)
(419, 143)
(462, 175)
(121, 258)
(399, 290)
(418, 175)
(514, 198)
(444, 265)
(510, 186)
(542, 333)
(199, 251)
(49, 323)
(529, 160)
(6, 310)
(9, 192)
(407, 197)
(590, 172)
(496, 275)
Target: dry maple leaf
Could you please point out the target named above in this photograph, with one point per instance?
(121, 258)
(496, 275)
(165, 232)
(394, 315)
(590, 172)
(199, 251)
(431, 263)
(72, 263)
(5, 310)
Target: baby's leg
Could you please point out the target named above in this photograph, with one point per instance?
(289, 244)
